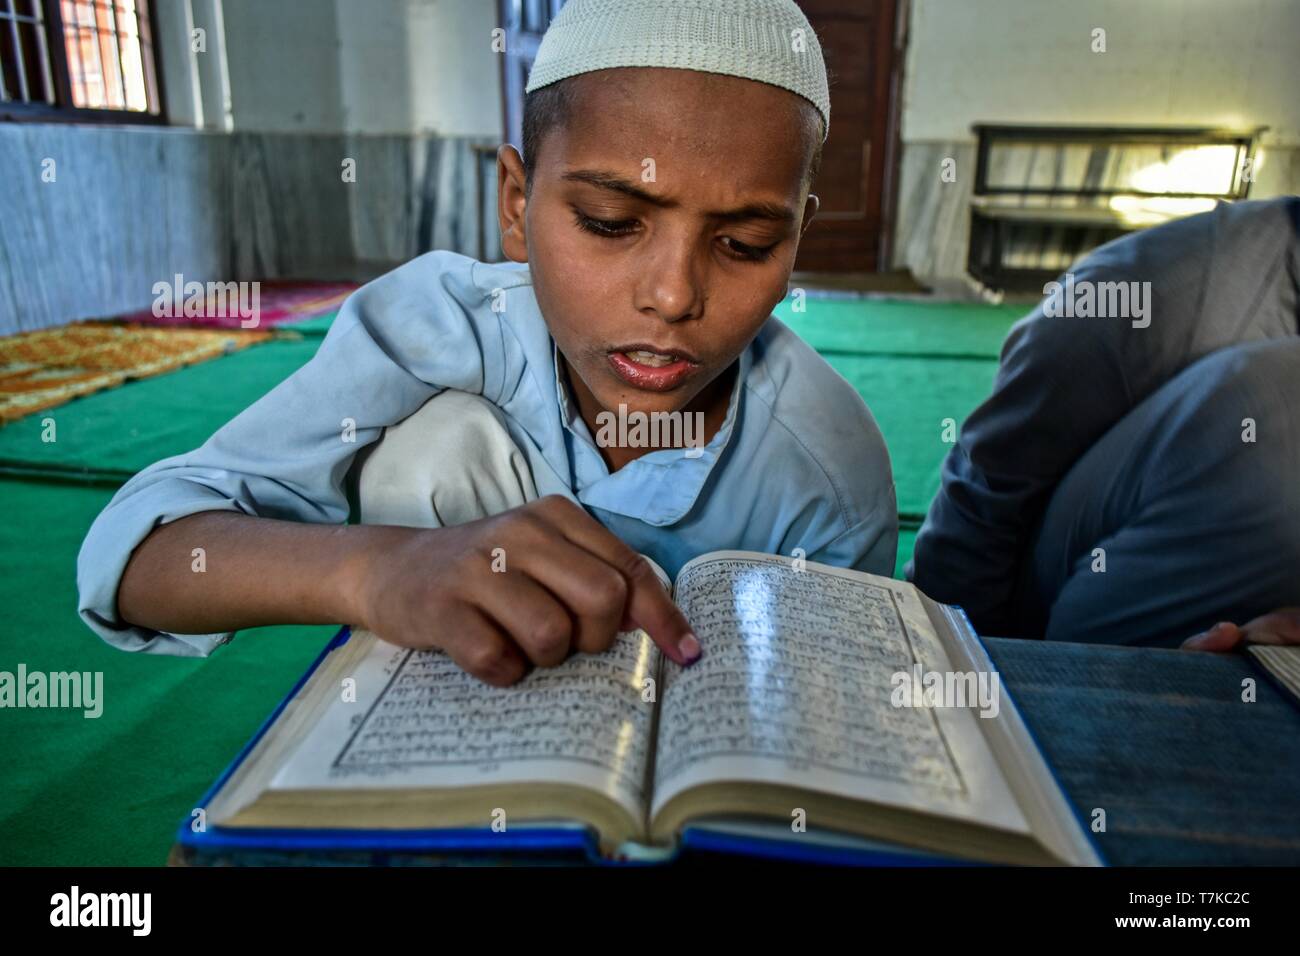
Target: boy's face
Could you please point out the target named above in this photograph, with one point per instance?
(660, 229)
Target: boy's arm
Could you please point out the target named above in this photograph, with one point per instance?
(871, 545)
(254, 571)
(848, 517)
(571, 585)
(284, 457)
(160, 573)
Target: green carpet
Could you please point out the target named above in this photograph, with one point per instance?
(912, 400)
(317, 325)
(916, 365)
(112, 790)
(897, 327)
(123, 430)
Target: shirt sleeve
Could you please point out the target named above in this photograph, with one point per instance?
(824, 462)
(870, 545)
(395, 343)
(1209, 281)
(839, 504)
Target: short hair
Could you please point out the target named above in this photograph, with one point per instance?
(551, 106)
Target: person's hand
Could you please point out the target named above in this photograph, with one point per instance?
(1278, 627)
(527, 587)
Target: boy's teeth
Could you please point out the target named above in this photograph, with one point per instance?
(652, 359)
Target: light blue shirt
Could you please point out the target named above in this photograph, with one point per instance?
(797, 463)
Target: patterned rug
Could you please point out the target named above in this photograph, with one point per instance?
(278, 302)
(42, 369)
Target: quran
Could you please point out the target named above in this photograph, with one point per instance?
(820, 712)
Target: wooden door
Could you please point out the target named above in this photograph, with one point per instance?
(859, 41)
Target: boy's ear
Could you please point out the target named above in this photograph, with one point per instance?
(512, 182)
(809, 212)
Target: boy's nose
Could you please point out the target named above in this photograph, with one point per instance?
(672, 286)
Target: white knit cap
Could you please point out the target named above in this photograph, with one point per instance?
(769, 41)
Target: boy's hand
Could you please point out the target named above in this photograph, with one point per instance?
(1278, 627)
(568, 586)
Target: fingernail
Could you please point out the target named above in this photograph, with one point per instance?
(690, 648)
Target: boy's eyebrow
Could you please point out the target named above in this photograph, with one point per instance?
(607, 180)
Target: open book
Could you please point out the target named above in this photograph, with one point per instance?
(815, 712)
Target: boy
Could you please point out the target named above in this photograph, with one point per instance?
(669, 150)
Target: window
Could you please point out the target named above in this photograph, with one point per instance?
(80, 60)
(524, 22)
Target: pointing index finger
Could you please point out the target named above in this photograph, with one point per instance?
(648, 603)
(650, 608)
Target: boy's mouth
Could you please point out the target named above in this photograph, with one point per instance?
(650, 368)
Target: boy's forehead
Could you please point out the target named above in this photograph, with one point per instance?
(648, 86)
(680, 110)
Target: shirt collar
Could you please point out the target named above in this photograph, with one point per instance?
(659, 488)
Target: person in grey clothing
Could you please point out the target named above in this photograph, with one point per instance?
(1134, 478)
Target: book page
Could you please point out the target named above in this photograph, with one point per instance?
(795, 687)
(1282, 661)
(416, 720)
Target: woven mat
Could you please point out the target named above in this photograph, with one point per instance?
(42, 369)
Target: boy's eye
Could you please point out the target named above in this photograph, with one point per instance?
(606, 227)
(748, 252)
(615, 228)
